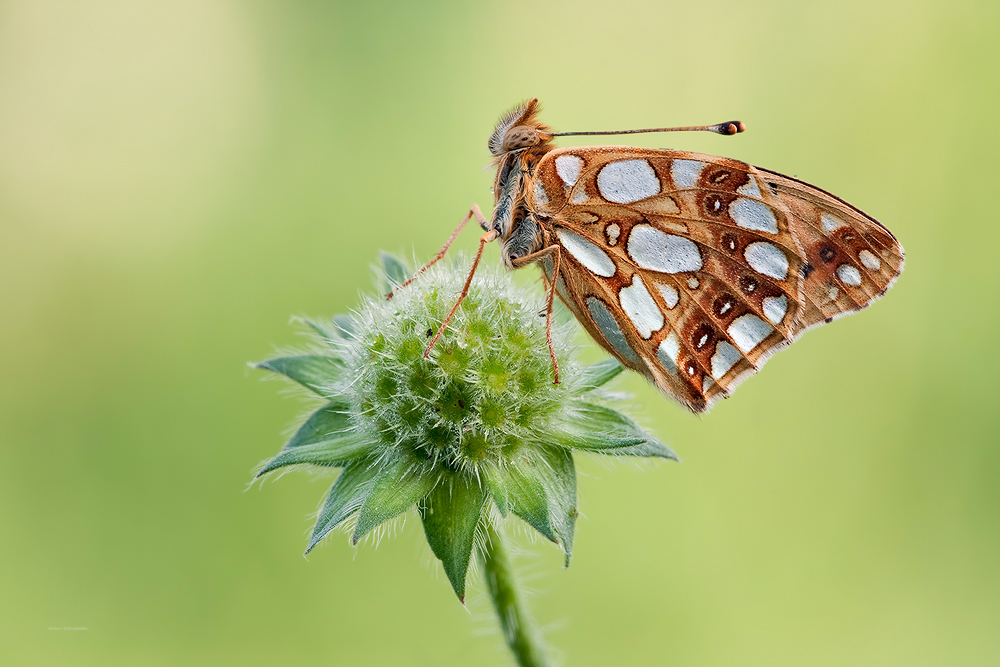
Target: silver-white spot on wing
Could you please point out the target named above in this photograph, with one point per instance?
(870, 260)
(686, 172)
(609, 328)
(627, 181)
(568, 167)
(767, 259)
(640, 308)
(593, 258)
(725, 357)
(749, 188)
(652, 249)
(747, 331)
(669, 294)
(752, 214)
(849, 275)
(541, 197)
(831, 223)
(579, 197)
(775, 308)
(668, 352)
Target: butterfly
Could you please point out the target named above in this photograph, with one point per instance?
(690, 269)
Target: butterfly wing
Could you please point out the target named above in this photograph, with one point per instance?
(694, 269)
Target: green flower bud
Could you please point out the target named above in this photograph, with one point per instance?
(477, 425)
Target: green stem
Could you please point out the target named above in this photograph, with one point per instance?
(519, 629)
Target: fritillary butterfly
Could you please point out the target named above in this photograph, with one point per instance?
(690, 269)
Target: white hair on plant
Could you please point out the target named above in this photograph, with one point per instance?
(471, 432)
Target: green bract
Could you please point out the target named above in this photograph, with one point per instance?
(479, 425)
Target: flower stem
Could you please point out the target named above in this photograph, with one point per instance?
(519, 629)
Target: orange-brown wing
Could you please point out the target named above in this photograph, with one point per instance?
(694, 269)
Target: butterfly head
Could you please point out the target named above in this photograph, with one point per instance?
(519, 128)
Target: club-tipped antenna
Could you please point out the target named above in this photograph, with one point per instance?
(727, 128)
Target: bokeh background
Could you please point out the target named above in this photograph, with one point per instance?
(179, 177)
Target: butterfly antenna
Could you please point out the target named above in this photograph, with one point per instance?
(730, 127)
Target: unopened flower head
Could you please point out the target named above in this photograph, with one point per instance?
(476, 425)
(487, 387)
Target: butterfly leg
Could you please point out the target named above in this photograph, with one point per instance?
(529, 259)
(480, 218)
(486, 238)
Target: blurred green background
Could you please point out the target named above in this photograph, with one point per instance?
(178, 178)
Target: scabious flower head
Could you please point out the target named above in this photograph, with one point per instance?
(477, 425)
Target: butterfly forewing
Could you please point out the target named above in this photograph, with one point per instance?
(694, 269)
(851, 258)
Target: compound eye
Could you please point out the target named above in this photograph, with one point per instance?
(520, 136)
